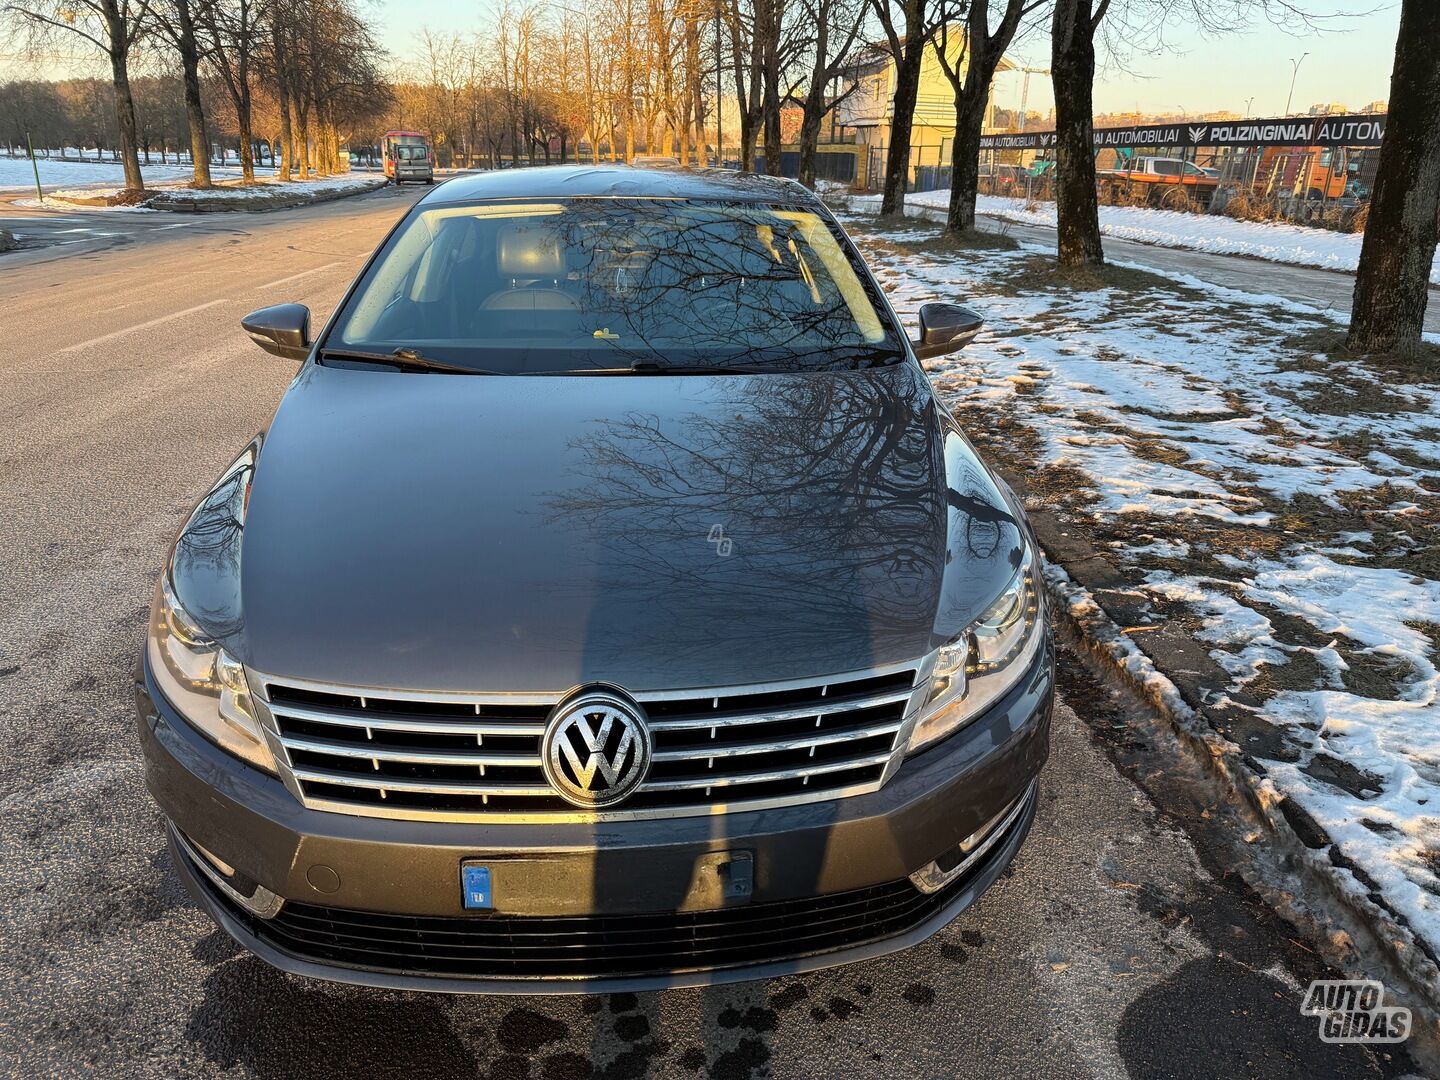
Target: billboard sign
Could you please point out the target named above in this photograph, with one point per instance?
(1364, 129)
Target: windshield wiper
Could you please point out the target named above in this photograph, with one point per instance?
(406, 359)
(650, 367)
(873, 358)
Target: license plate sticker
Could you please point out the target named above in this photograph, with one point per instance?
(475, 891)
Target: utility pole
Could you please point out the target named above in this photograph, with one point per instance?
(35, 167)
(1294, 71)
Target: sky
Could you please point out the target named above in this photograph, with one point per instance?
(1349, 60)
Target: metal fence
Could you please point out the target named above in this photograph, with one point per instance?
(1312, 170)
(1315, 170)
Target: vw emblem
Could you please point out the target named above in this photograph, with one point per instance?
(596, 750)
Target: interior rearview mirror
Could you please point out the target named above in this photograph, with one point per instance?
(945, 328)
(283, 330)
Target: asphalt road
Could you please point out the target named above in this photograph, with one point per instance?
(1117, 946)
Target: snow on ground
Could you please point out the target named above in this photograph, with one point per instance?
(1274, 241)
(1282, 506)
(269, 187)
(265, 188)
(17, 176)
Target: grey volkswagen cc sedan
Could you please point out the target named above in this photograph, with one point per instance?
(609, 603)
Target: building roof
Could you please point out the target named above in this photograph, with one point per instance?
(619, 181)
(877, 56)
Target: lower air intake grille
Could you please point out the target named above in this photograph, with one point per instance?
(608, 946)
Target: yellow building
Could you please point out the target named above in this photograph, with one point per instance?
(869, 109)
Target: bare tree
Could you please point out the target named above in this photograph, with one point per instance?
(1126, 26)
(1392, 284)
(971, 73)
(279, 62)
(175, 22)
(748, 65)
(1072, 66)
(836, 28)
(112, 26)
(234, 29)
(768, 29)
(905, 40)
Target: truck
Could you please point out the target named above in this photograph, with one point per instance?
(1156, 181)
(1308, 172)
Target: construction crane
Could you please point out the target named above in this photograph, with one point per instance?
(1025, 89)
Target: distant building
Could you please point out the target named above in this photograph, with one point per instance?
(1376, 107)
(791, 117)
(1333, 108)
(869, 109)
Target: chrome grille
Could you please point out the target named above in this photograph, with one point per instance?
(464, 756)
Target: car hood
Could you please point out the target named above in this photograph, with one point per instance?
(457, 533)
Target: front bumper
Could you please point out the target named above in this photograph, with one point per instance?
(601, 906)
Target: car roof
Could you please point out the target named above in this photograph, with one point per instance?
(620, 181)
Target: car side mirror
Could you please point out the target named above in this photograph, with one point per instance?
(945, 328)
(283, 330)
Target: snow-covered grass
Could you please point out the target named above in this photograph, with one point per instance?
(16, 174)
(1280, 504)
(266, 189)
(269, 188)
(1274, 241)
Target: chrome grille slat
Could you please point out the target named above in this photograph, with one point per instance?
(700, 783)
(774, 716)
(386, 783)
(691, 753)
(450, 756)
(382, 721)
(390, 753)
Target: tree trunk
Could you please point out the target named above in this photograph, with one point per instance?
(284, 156)
(284, 161)
(769, 29)
(1392, 282)
(124, 100)
(1072, 63)
(297, 163)
(772, 126)
(810, 123)
(965, 159)
(194, 107)
(302, 156)
(247, 151)
(897, 158)
(747, 141)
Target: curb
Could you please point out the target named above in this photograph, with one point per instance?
(287, 201)
(1076, 576)
(164, 200)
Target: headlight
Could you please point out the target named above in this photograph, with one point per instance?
(982, 663)
(203, 682)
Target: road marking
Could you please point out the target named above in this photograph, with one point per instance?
(296, 277)
(142, 326)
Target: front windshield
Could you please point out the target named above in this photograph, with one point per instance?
(589, 284)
